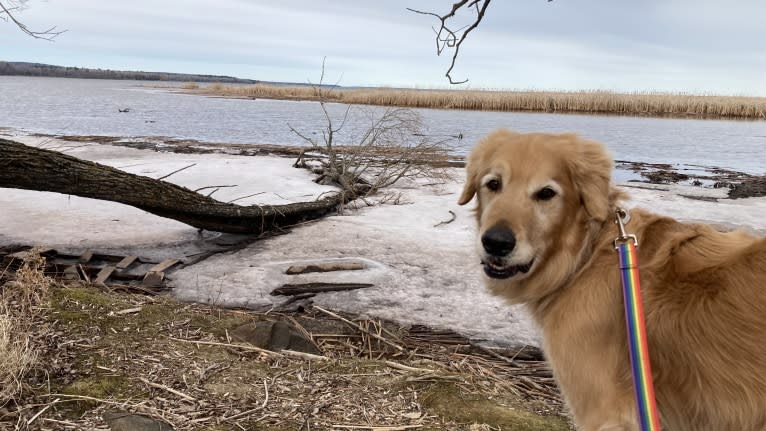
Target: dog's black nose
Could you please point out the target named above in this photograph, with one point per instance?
(498, 241)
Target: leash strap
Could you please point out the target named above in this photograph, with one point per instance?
(646, 406)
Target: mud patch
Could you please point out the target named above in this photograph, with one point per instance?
(751, 187)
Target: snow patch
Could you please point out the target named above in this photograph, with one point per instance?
(424, 272)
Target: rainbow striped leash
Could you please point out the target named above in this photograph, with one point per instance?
(646, 407)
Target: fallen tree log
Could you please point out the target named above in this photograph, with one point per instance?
(31, 168)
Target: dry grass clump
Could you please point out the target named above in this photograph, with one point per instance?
(16, 358)
(22, 300)
(190, 86)
(587, 102)
(267, 91)
(216, 87)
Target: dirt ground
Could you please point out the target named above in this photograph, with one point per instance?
(106, 356)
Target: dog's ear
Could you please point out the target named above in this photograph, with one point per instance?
(591, 170)
(470, 187)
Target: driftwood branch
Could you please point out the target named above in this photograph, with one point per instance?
(297, 289)
(447, 221)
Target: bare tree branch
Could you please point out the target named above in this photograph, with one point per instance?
(9, 6)
(446, 37)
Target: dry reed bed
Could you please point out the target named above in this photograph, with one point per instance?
(591, 102)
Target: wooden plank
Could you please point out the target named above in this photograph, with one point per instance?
(153, 279)
(104, 274)
(70, 273)
(126, 262)
(21, 255)
(162, 266)
(86, 257)
(297, 289)
(83, 273)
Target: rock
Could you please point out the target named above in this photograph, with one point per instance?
(124, 421)
(274, 336)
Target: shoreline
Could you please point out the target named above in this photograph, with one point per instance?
(740, 184)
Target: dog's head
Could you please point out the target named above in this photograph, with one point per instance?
(538, 196)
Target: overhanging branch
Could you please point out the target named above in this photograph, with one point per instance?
(6, 12)
(446, 37)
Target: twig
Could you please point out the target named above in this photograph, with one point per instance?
(302, 355)
(266, 389)
(110, 402)
(128, 311)
(253, 410)
(376, 336)
(168, 389)
(447, 221)
(212, 187)
(407, 368)
(176, 171)
(48, 34)
(447, 38)
(378, 427)
(66, 423)
(32, 419)
(233, 345)
(243, 197)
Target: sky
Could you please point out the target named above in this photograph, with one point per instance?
(700, 46)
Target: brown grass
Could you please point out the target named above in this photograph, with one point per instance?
(590, 102)
(182, 364)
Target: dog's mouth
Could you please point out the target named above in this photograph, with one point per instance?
(496, 269)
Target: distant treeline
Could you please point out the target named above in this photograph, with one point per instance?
(38, 69)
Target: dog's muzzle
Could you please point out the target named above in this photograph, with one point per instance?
(498, 243)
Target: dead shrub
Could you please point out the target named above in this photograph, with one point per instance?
(16, 357)
(394, 146)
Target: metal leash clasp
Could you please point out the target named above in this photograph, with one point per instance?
(622, 218)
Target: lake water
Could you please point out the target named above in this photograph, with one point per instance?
(90, 107)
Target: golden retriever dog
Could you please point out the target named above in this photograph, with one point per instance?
(546, 231)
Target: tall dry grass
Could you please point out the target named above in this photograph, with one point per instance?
(586, 102)
(189, 86)
(22, 301)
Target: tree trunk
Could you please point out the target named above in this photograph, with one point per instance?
(30, 168)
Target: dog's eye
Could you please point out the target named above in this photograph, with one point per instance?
(545, 194)
(493, 185)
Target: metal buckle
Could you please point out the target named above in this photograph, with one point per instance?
(622, 218)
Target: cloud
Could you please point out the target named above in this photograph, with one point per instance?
(667, 45)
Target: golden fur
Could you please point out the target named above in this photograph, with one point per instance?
(704, 291)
